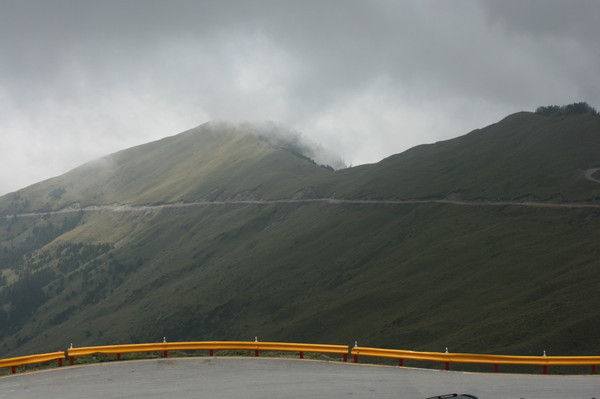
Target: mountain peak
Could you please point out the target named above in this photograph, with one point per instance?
(280, 136)
(216, 160)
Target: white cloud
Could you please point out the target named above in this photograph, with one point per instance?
(369, 79)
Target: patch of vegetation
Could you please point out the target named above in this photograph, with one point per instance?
(31, 236)
(56, 193)
(571, 109)
(25, 295)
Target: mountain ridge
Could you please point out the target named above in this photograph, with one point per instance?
(233, 152)
(437, 170)
(395, 164)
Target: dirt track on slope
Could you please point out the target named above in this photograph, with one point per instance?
(589, 174)
(118, 208)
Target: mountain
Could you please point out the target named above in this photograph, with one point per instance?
(212, 161)
(218, 234)
(524, 156)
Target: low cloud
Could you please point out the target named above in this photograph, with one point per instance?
(281, 136)
(80, 79)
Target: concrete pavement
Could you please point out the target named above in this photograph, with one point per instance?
(265, 378)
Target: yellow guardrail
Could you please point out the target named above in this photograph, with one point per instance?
(495, 360)
(344, 350)
(211, 346)
(14, 362)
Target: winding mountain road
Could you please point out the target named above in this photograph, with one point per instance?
(331, 201)
(589, 174)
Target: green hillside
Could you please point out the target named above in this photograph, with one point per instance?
(525, 155)
(212, 161)
(473, 278)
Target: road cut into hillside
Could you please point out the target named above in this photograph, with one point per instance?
(119, 208)
(265, 378)
(589, 174)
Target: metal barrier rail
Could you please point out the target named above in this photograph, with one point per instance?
(14, 362)
(344, 350)
(494, 360)
(211, 346)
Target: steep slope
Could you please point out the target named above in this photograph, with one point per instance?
(213, 161)
(475, 278)
(525, 155)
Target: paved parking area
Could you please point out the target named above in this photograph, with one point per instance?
(265, 378)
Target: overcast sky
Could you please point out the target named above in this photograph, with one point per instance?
(83, 78)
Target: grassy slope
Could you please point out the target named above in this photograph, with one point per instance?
(498, 280)
(524, 155)
(207, 162)
(417, 277)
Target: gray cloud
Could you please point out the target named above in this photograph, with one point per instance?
(79, 79)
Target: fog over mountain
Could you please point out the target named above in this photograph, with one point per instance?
(280, 136)
(81, 79)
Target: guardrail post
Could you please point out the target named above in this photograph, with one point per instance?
(400, 362)
(71, 360)
(13, 369)
(447, 366)
(496, 368)
(345, 357)
(355, 358)
(166, 354)
(593, 369)
(60, 362)
(211, 352)
(545, 369)
(256, 353)
(301, 355)
(118, 356)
